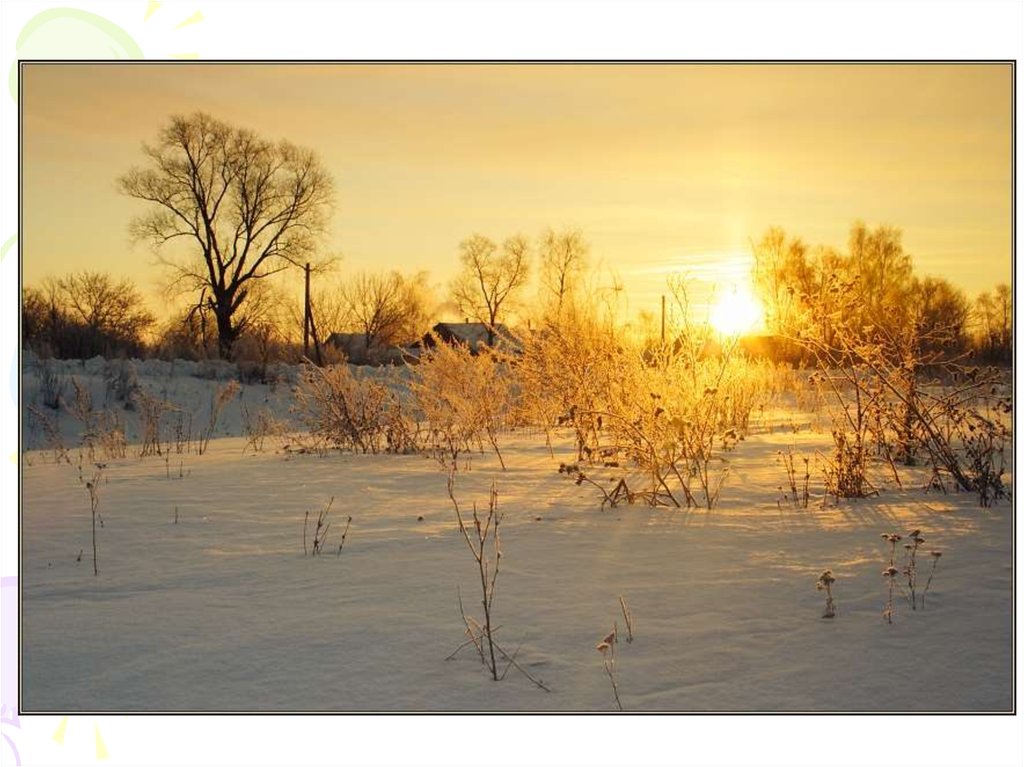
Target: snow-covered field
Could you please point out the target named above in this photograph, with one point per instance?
(205, 601)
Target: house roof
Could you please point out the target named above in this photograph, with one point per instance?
(474, 334)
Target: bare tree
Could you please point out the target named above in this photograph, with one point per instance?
(105, 305)
(943, 313)
(884, 272)
(563, 259)
(489, 278)
(994, 314)
(782, 274)
(247, 207)
(387, 307)
(84, 314)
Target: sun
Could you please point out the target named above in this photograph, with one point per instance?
(736, 311)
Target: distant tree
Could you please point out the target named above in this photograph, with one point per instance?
(247, 207)
(1004, 318)
(106, 307)
(783, 277)
(563, 259)
(42, 316)
(84, 314)
(994, 314)
(388, 308)
(943, 312)
(884, 274)
(489, 279)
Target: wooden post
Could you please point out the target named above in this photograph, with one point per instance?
(663, 319)
(306, 318)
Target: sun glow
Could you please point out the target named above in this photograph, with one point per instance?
(736, 311)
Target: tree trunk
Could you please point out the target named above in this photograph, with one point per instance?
(227, 333)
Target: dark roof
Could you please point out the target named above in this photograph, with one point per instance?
(474, 334)
(339, 339)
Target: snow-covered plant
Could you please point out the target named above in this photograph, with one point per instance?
(348, 413)
(183, 432)
(122, 381)
(151, 411)
(93, 486)
(52, 438)
(619, 492)
(845, 470)
(935, 555)
(107, 432)
(80, 406)
(257, 427)
(889, 611)
(323, 525)
(567, 372)
(876, 373)
(910, 565)
(101, 429)
(484, 541)
(607, 649)
(220, 398)
(892, 539)
(799, 484)
(482, 537)
(344, 535)
(627, 616)
(51, 384)
(890, 573)
(825, 581)
(464, 398)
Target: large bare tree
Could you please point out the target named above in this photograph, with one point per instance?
(247, 207)
(489, 278)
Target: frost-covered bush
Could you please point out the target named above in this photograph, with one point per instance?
(223, 394)
(258, 425)
(566, 374)
(215, 370)
(101, 429)
(51, 383)
(463, 398)
(152, 410)
(122, 382)
(665, 413)
(892, 392)
(349, 413)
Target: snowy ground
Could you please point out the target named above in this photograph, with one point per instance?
(222, 611)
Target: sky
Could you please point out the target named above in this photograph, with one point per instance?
(664, 168)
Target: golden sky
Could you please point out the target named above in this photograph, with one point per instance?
(664, 167)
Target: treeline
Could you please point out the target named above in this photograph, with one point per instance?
(870, 286)
(873, 285)
(361, 315)
(85, 314)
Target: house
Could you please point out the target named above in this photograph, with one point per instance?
(475, 335)
(353, 346)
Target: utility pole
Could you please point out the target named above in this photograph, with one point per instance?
(306, 318)
(662, 319)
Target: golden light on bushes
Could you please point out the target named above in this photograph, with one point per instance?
(736, 311)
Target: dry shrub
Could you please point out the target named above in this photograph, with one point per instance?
(344, 412)
(464, 398)
(893, 391)
(258, 426)
(51, 383)
(668, 413)
(566, 375)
